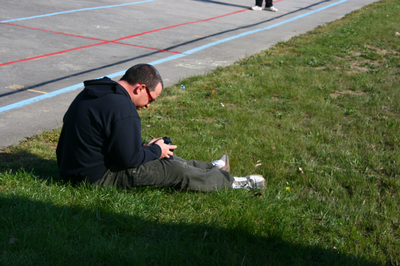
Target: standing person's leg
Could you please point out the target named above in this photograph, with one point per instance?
(259, 2)
(258, 5)
(268, 3)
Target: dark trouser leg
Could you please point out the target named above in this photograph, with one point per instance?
(268, 3)
(259, 2)
(175, 173)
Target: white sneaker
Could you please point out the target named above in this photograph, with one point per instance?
(250, 181)
(256, 8)
(222, 163)
(271, 8)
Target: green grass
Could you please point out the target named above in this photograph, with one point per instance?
(318, 116)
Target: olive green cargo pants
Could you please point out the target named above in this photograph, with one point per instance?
(175, 173)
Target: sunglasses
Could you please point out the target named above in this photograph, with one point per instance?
(151, 99)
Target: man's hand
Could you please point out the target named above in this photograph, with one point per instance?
(165, 148)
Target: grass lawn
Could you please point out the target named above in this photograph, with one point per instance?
(317, 116)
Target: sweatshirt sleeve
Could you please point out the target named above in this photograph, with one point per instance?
(125, 144)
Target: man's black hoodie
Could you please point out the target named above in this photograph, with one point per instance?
(101, 129)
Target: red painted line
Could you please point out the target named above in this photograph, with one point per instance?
(63, 33)
(113, 41)
(84, 37)
(183, 24)
(47, 55)
(78, 48)
(83, 47)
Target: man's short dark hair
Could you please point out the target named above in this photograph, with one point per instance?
(143, 74)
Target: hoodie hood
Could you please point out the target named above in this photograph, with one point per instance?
(97, 88)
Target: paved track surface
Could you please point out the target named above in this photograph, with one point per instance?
(48, 48)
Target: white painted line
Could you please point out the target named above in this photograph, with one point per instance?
(72, 11)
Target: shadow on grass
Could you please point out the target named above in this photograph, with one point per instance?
(39, 233)
(41, 168)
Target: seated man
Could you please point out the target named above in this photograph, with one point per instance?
(101, 141)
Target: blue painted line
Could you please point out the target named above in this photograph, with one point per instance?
(76, 10)
(170, 58)
(40, 98)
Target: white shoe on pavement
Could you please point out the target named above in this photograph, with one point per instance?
(271, 8)
(256, 8)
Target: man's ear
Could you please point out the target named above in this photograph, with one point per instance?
(136, 89)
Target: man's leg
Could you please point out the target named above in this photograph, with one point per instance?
(183, 175)
(176, 173)
(118, 177)
(268, 3)
(198, 164)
